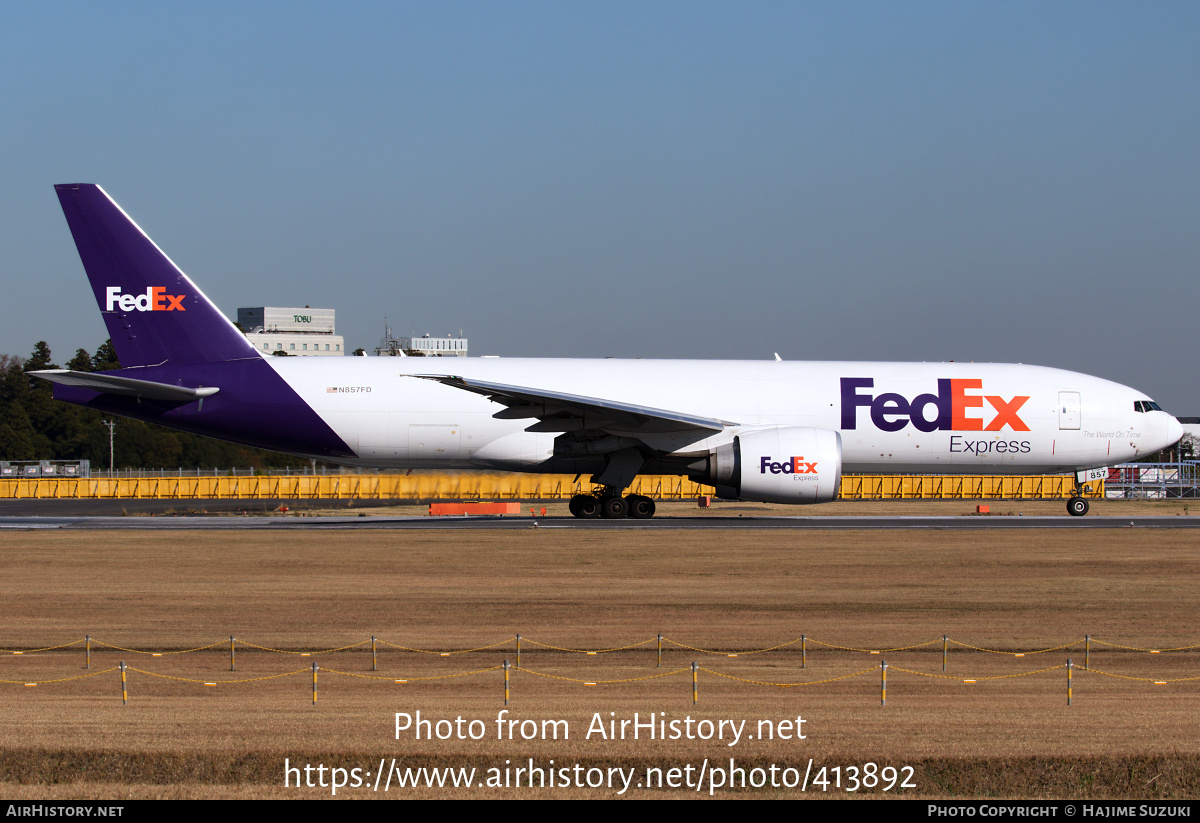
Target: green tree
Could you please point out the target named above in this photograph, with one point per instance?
(82, 361)
(34, 426)
(105, 358)
(17, 436)
(40, 359)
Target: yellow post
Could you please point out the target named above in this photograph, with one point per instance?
(883, 684)
(945, 643)
(231, 656)
(659, 666)
(518, 651)
(374, 659)
(1068, 681)
(124, 689)
(314, 684)
(695, 684)
(803, 652)
(1087, 651)
(505, 682)
(87, 645)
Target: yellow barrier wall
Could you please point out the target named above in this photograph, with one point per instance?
(962, 487)
(513, 487)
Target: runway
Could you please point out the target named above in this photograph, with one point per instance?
(227, 523)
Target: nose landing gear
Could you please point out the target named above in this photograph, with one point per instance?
(1077, 505)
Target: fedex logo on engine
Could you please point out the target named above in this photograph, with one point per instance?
(953, 407)
(155, 299)
(795, 465)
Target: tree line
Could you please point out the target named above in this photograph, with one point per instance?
(35, 426)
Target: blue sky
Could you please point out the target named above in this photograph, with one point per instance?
(917, 181)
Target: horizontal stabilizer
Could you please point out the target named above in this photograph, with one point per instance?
(125, 386)
(558, 407)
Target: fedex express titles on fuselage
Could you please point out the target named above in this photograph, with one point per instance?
(1036, 418)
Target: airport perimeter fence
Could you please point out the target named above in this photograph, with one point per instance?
(512, 666)
(1154, 481)
(478, 486)
(41, 479)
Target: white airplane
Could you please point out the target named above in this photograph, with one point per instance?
(771, 431)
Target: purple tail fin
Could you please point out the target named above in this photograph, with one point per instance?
(153, 312)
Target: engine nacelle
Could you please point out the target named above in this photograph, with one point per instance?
(781, 465)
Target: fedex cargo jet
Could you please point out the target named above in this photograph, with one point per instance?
(770, 431)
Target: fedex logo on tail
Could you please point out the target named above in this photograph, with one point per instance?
(795, 465)
(953, 408)
(155, 299)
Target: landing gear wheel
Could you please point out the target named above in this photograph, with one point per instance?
(614, 507)
(1077, 507)
(585, 506)
(640, 506)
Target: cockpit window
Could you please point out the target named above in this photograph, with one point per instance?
(1145, 406)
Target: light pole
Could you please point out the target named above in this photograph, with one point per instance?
(112, 424)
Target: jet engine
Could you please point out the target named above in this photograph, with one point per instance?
(780, 465)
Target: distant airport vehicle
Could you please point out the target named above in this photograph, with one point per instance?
(772, 431)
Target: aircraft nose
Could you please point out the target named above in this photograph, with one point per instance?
(1174, 430)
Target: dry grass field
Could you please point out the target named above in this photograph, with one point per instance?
(718, 591)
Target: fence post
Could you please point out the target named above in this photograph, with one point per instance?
(883, 684)
(1068, 681)
(505, 682)
(374, 659)
(695, 684)
(232, 661)
(314, 684)
(87, 646)
(945, 643)
(124, 688)
(1087, 651)
(803, 652)
(518, 651)
(659, 666)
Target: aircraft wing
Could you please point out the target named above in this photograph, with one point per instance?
(125, 386)
(560, 412)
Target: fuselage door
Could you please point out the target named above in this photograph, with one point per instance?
(1068, 410)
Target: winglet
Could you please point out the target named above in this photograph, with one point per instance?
(153, 311)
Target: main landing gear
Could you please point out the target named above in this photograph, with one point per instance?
(611, 504)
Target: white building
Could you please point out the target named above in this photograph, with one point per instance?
(301, 332)
(425, 346)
